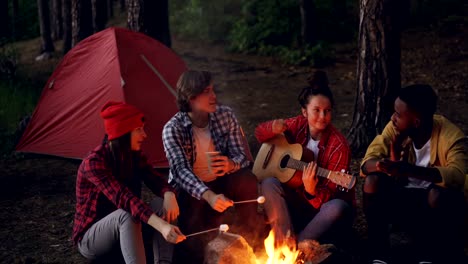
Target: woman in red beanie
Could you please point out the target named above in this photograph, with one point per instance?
(109, 210)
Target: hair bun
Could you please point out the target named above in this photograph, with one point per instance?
(318, 79)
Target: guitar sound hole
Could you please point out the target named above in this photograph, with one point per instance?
(284, 161)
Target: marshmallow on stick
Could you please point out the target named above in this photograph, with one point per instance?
(222, 228)
(260, 200)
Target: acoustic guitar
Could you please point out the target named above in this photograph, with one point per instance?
(277, 158)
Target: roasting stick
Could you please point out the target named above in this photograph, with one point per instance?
(222, 228)
(260, 200)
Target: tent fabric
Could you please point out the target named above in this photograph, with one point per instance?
(114, 64)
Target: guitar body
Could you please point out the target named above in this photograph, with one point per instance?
(270, 161)
(277, 158)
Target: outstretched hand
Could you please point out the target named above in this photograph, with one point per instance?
(172, 234)
(218, 202)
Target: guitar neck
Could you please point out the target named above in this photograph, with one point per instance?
(299, 165)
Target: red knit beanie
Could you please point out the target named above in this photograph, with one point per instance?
(120, 118)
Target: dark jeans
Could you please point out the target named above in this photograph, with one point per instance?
(288, 211)
(197, 215)
(433, 216)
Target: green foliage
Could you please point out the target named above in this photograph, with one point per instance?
(320, 55)
(203, 19)
(266, 23)
(17, 99)
(337, 20)
(273, 28)
(8, 62)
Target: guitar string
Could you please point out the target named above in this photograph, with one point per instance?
(299, 165)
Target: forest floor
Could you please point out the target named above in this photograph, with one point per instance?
(37, 194)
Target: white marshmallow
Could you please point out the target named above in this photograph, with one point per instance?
(261, 199)
(223, 228)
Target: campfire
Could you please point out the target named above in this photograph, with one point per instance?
(282, 254)
(228, 248)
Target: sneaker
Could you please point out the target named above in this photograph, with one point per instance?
(379, 261)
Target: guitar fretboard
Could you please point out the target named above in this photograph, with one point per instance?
(299, 165)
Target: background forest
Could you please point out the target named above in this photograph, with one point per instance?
(260, 52)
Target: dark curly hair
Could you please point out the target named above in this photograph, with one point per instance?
(318, 85)
(420, 98)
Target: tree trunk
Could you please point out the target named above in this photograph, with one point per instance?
(150, 17)
(44, 22)
(14, 18)
(67, 26)
(122, 5)
(378, 71)
(156, 21)
(308, 24)
(100, 10)
(57, 19)
(82, 20)
(4, 20)
(110, 9)
(135, 15)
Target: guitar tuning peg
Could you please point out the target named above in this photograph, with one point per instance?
(343, 170)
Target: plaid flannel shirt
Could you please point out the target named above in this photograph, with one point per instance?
(334, 154)
(181, 152)
(95, 182)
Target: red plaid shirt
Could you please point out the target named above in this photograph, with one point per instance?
(334, 154)
(97, 188)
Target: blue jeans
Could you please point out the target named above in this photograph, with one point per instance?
(120, 230)
(288, 211)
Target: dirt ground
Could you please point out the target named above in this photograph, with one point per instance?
(37, 194)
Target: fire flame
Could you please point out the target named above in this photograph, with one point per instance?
(282, 254)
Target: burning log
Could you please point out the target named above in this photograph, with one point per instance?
(228, 248)
(313, 252)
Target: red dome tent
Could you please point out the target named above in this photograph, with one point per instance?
(114, 64)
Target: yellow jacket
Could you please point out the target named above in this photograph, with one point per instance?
(448, 152)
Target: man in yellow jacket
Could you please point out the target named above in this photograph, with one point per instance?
(415, 173)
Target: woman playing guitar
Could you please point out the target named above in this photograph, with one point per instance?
(317, 209)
